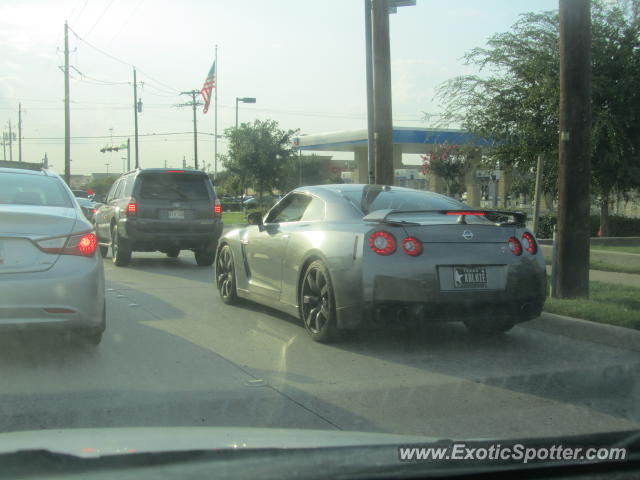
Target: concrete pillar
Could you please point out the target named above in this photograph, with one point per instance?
(360, 174)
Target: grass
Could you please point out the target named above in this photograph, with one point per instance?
(234, 217)
(616, 249)
(605, 267)
(611, 304)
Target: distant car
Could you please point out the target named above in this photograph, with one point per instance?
(80, 193)
(343, 256)
(50, 274)
(89, 207)
(159, 209)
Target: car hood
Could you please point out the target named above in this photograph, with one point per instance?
(97, 442)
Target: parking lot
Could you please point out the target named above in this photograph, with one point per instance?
(174, 354)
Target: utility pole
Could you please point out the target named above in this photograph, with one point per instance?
(128, 154)
(135, 111)
(194, 104)
(184, 162)
(383, 128)
(10, 143)
(67, 110)
(574, 161)
(370, 125)
(215, 121)
(20, 132)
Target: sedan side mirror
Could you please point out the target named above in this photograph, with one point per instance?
(255, 218)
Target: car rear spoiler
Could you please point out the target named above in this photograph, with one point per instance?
(499, 217)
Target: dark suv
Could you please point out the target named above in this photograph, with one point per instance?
(160, 209)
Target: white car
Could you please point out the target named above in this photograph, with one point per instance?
(50, 273)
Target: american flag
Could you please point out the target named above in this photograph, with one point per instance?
(209, 84)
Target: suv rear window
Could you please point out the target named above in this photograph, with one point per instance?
(22, 189)
(173, 186)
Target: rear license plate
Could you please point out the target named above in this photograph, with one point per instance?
(176, 214)
(469, 277)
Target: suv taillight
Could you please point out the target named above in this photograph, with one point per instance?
(132, 208)
(84, 245)
(217, 208)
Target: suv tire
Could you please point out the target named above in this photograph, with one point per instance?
(120, 249)
(205, 257)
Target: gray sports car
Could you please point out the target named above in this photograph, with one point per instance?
(340, 256)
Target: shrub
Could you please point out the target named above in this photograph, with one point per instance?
(619, 226)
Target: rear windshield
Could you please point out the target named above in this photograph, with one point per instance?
(23, 189)
(370, 199)
(173, 186)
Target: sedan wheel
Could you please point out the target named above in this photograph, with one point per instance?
(225, 276)
(317, 303)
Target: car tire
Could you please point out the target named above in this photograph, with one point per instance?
(205, 257)
(173, 252)
(120, 249)
(317, 303)
(226, 276)
(489, 327)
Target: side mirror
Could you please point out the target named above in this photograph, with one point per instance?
(255, 218)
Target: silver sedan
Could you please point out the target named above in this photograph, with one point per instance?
(50, 273)
(344, 256)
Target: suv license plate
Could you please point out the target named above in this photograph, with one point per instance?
(469, 277)
(176, 214)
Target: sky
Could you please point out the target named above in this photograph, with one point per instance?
(303, 61)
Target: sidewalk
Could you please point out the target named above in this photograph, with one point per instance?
(629, 279)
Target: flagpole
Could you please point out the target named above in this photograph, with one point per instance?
(215, 123)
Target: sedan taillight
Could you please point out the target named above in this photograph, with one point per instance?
(84, 245)
(529, 243)
(412, 246)
(382, 243)
(514, 246)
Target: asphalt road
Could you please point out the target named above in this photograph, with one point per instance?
(175, 355)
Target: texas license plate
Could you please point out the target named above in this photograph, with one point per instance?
(176, 214)
(469, 277)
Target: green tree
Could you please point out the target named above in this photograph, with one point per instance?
(101, 185)
(448, 162)
(515, 99)
(292, 176)
(259, 154)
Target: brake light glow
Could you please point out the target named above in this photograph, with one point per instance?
(461, 212)
(514, 246)
(175, 171)
(132, 208)
(529, 243)
(382, 243)
(412, 246)
(217, 208)
(84, 245)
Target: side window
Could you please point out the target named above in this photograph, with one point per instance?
(290, 210)
(128, 186)
(314, 211)
(112, 191)
(118, 193)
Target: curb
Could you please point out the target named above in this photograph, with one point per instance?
(610, 335)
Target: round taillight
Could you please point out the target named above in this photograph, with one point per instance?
(382, 243)
(412, 246)
(529, 243)
(87, 244)
(514, 246)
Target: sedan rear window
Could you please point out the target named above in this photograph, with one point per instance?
(23, 189)
(373, 198)
(173, 186)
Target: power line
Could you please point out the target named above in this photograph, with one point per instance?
(99, 18)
